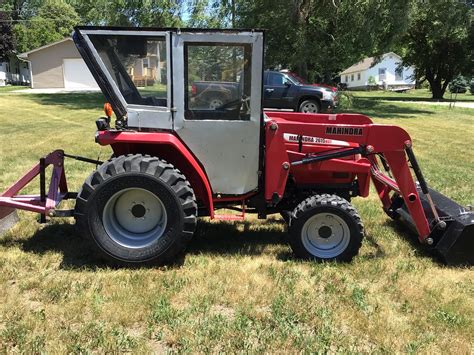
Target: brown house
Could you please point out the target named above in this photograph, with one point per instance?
(59, 65)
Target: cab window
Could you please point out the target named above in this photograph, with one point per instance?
(277, 79)
(217, 81)
(137, 64)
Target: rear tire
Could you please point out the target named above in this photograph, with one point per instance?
(309, 106)
(325, 227)
(137, 209)
(214, 102)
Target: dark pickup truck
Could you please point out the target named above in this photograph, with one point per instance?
(213, 94)
(282, 90)
(286, 90)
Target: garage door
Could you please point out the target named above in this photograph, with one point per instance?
(77, 75)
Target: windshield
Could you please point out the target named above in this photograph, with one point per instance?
(297, 79)
(138, 66)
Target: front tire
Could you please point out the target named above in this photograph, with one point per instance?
(325, 227)
(309, 106)
(137, 209)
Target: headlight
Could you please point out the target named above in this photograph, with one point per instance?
(328, 95)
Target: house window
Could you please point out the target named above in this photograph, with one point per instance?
(358, 76)
(399, 74)
(382, 73)
(347, 78)
(352, 77)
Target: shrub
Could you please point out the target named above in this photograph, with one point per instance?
(458, 85)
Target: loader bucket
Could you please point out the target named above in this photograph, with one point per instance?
(455, 243)
(8, 218)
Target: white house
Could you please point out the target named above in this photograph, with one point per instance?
(14, 71)
(384, 72)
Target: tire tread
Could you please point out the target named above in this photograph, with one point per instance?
(323, 200)
(143, 164)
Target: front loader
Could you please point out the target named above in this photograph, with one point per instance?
(176, 158)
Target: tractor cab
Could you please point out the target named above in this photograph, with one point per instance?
(204, 85)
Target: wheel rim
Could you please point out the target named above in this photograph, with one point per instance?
(134, 218)
(215, 103)
(310, 107)
(325, 235)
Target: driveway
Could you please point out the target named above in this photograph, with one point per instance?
(54, 91)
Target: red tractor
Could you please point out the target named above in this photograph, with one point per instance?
(176, 159)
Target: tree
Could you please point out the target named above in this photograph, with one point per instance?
(6, 36)
(53, 21)
(154, 13)
(212, 13)
(320, 38)
(20, 9)
(439, 42)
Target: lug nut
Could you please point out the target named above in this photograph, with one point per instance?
(285, 165)
(273, 126)
(429, 241)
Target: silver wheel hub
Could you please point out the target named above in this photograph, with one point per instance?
(134, 218)
(310, 107)
(215, 104)
(325, 235)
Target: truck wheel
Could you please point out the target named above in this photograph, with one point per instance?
(215, 103)
(325, 227)
(309, 106)
(137, 209)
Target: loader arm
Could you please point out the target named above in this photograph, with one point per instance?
(345, 135)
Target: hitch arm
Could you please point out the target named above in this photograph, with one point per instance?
(46, 202)
(423, 184)
(43, 202)
(407, 189)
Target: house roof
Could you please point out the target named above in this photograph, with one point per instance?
(365, 64)
(25, 55)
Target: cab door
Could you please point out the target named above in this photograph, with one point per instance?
(224, 135)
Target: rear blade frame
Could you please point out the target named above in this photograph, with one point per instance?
(44, 204)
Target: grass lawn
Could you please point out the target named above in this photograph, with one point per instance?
(411, 95)
(238, 289)
(8, 88)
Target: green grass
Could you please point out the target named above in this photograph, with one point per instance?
(411, 95)
(238, 288)
(8, 88)
(156, 90)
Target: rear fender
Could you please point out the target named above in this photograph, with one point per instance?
(168, 147)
